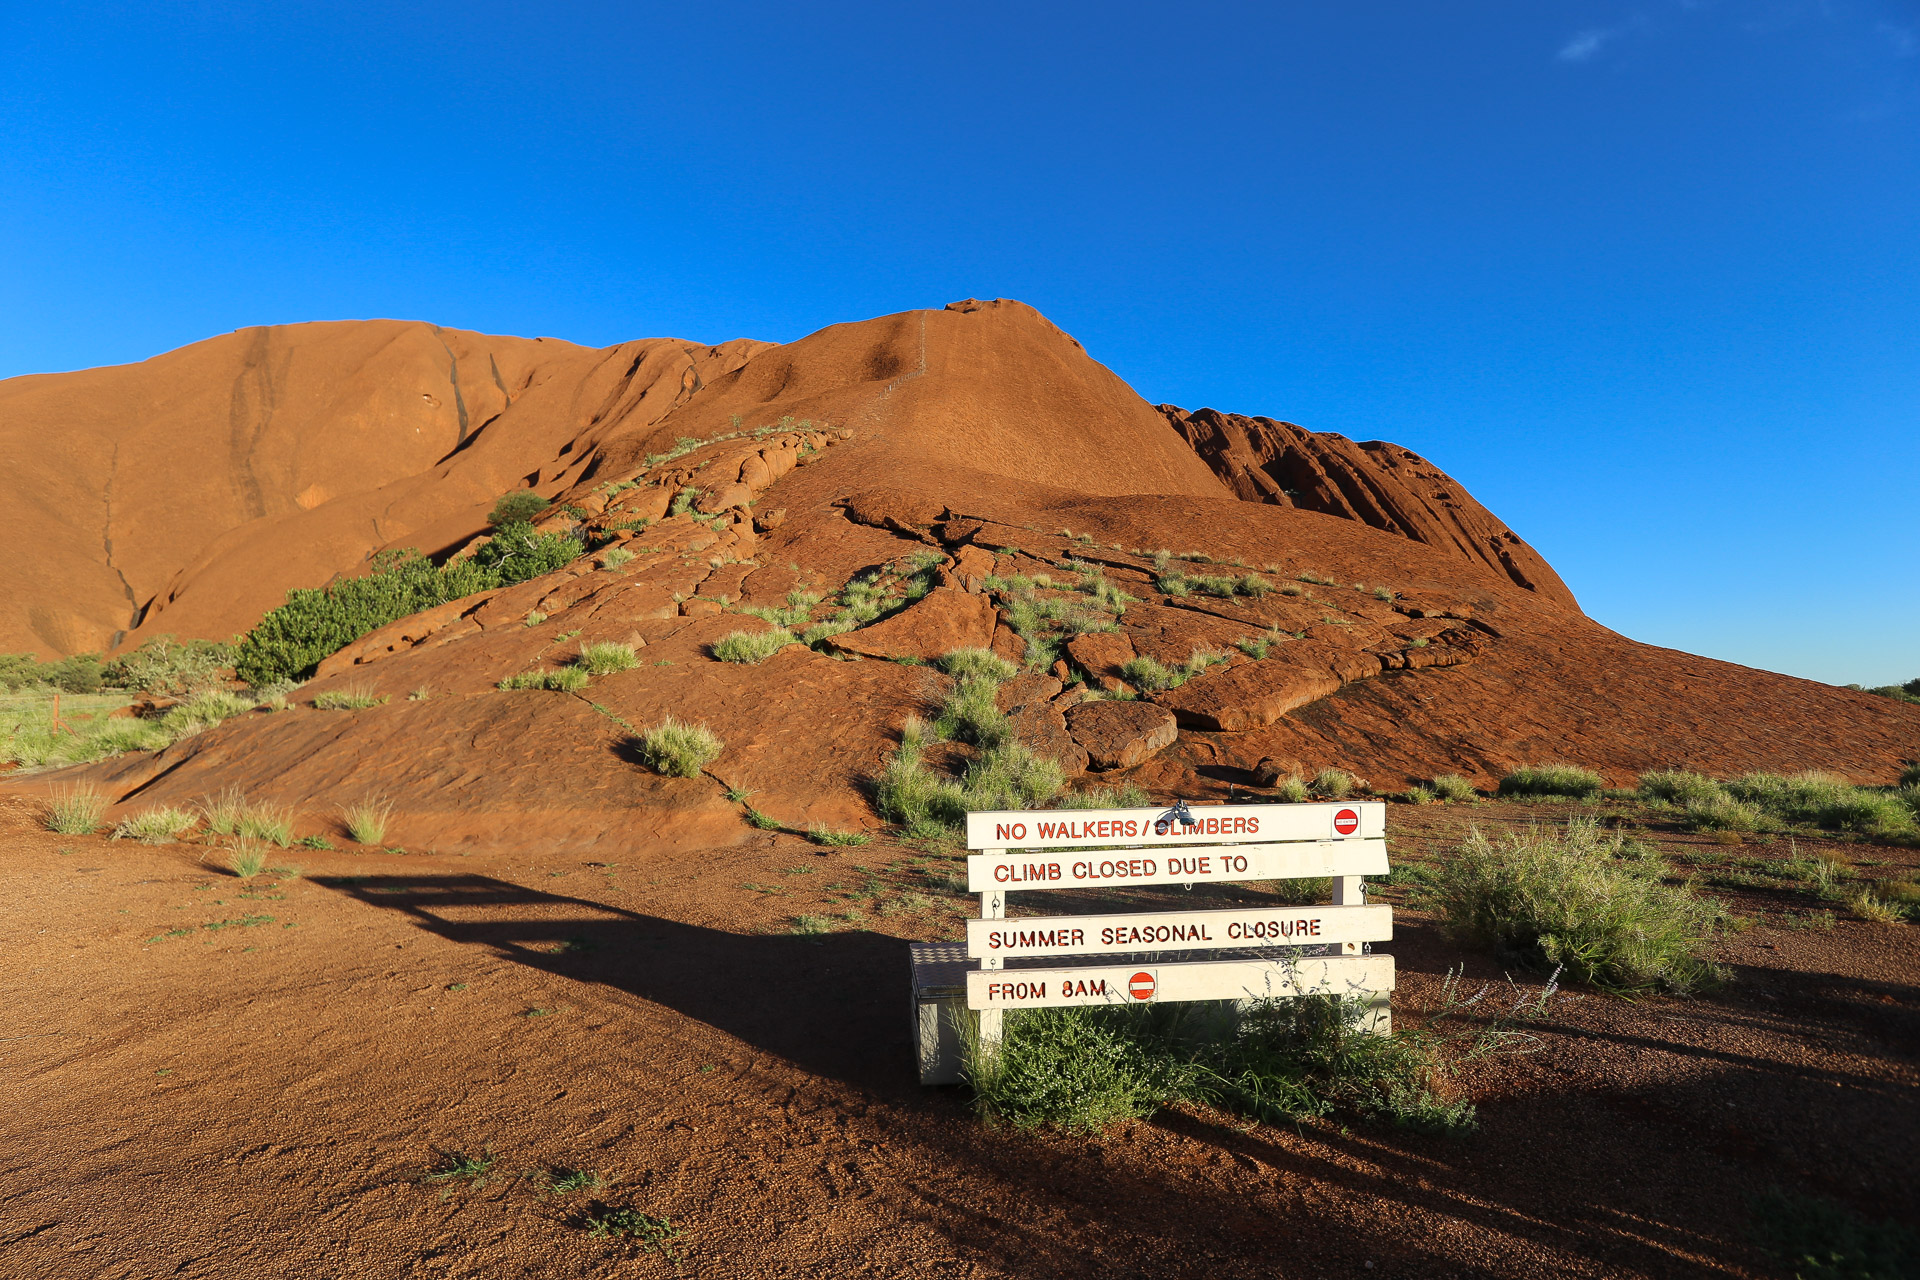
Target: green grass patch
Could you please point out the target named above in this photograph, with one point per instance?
(352, 698)
(752, 646)
(1579, 899)
(607, 657)
(1553, 780)
(155, 826)
(838, 839)
(559, 680)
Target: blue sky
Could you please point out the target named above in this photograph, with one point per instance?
(1644, 275)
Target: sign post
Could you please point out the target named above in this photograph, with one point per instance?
(1238, 954)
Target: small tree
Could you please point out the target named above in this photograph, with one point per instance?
(517, 507)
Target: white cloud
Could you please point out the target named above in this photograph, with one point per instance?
(1586, 43)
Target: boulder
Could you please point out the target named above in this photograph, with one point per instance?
(1026, 690)
(1044, 729)
(1101, 653)
(1119, 735)
(944, 620)
(973, 566)
(768, 521)
(722, 497)
(1272, 769)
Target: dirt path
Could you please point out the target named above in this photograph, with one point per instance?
(202, 1077)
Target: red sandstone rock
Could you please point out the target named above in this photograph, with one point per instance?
(1119, 735)
(1248, 696)
(942, 621)
(1101, 653)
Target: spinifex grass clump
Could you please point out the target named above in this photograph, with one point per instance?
(1581, 899)
(1279, 1061)
(562, 680)
(753, 646)
(353, 698)
(155, 826)
(1771, 801)
(607, 657)
(1454, 789)
(75, 810)
(680, 750)
(231, 814)
(1553, 780)
(366, 821)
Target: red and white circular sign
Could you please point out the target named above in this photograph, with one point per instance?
(1140, 986)
(1346, 822)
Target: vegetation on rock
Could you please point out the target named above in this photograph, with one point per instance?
(292, 640)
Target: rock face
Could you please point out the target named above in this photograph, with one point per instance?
(1379, 484)
(963, 448)
(1119, 735)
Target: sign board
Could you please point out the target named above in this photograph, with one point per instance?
(1201, 980)
(1211, 824)
(1106, 869)
(1178, 930)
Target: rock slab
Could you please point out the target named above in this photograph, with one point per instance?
(946, 619)
(1119, 735)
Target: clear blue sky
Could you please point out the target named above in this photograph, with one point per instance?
(1644, 275)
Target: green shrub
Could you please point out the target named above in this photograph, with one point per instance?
(1420, 795)
(680, 750)
(75, 810)
(563, 680)
(1280, 1061)
(752, 646)
(1581, 900)
(517, 507)
(614, 557)
(1910, 777)
(607, 657)
(170, 668)
(1454, 789)
(155, 826)
(315, 623)
(1553, 780)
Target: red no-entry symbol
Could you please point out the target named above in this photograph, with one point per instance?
(1140, 986)
(1346, 822)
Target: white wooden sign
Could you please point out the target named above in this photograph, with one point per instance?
(1178, 930)
(1204, 980)
(1183, 865)
(1211, 824)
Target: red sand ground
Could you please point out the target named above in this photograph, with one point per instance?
(261, 1099)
